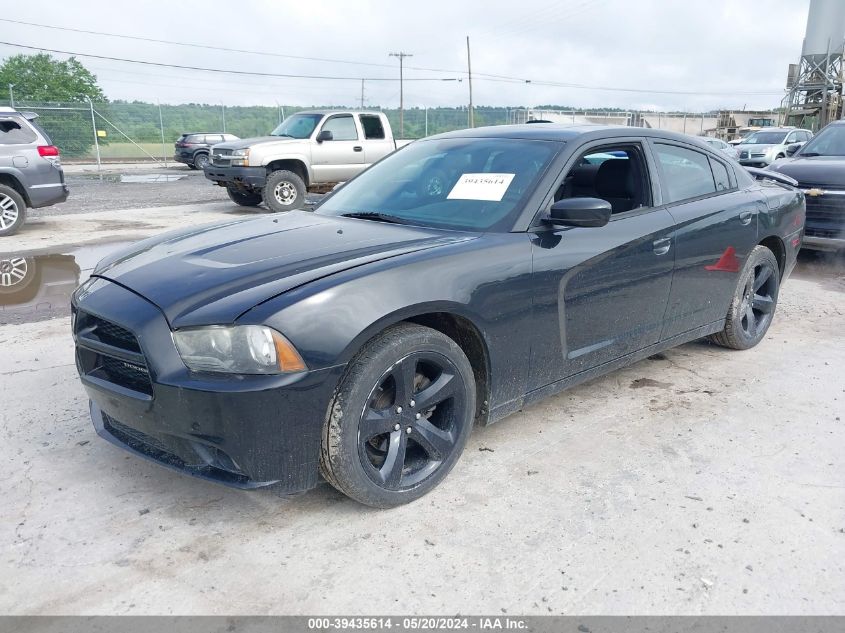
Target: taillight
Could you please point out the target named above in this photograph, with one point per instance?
(48, 150)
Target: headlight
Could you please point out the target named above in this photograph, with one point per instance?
(240, 156)
(241, 349)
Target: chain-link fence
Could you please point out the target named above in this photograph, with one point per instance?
(147, 131)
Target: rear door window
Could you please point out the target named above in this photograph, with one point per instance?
(373, 129)
(211, 139)
(720, 175)
(14, 131)
(195, 139)
(686, 173)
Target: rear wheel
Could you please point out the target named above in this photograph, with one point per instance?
(244, 198)
(754, 301)
(200, 160)
(400, 417)
(12, 210)
(284, 191)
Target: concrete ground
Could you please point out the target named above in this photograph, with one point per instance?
(700, 481)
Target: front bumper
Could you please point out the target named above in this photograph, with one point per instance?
(249, 177)
(243, 431)
(825, 222)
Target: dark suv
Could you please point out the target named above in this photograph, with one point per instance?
(193, 148)
(30, 169)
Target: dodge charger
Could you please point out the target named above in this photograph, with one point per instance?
(453, 283)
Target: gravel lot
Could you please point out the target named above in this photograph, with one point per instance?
(700, 481)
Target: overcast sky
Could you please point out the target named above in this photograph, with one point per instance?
(729, 51)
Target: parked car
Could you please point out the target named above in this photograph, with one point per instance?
(722, 146)
(768, 145)
(307, 149)
(819, 168)
(366, 339)
(30, 169)
(193, 148)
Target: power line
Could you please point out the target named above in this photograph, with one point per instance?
(479, 76)
(218, 70)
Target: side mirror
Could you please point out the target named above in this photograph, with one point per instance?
(792, 148)
(325, 135)
(585, 212)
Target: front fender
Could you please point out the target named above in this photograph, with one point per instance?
(485, 281)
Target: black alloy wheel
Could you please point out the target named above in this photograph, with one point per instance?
(400, 417)
(409, 427)
(754, 301)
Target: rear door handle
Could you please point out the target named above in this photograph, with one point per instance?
(662, 246)
(358, 148)
(745, 217)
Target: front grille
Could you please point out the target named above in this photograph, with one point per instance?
(825, 216)
(110, 352)
(220, 156)
(106, 332)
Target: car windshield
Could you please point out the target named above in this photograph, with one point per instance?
(297, 126)
(829, 142)
(474, 184)
(765, 138)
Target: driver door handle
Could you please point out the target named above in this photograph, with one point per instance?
(662, 246)
(745, 217)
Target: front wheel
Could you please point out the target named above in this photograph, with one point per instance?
(12, 211)
(400, 417)
(284, 191)
(243, 198)
(754, 301)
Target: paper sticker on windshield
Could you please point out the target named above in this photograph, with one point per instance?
(481, 187)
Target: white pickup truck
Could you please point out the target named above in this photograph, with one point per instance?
(307, 150)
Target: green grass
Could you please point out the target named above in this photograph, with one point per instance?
(128, 150)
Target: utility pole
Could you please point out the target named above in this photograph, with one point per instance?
(161, 127)
(362, 94)
(401, 55)
(469, 73)
(11, 96)
(94, 127)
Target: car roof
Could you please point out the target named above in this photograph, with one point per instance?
(563, 132)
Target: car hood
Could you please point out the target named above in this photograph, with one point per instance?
(814, 170)
(211, 275)
(753, 147)
(252, 142)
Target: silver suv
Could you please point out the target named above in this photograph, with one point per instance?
(30, 169)
(765, 146)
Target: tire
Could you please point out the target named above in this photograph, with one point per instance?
(243, 198)
(200, 160)
(12, 211)
(284, 191)
(410, 377)
(20, 279)
(753, 303)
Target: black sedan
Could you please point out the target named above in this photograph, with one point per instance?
(819, 168)
(456, 281)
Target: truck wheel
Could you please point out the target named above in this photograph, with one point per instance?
(12, 211)
(244, 198)
(284, 191)
(200, 160)
(400, 417)
(754, 301)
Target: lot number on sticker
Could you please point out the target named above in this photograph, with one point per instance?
(481, 187)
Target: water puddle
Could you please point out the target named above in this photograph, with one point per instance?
(151, 178)
(38, 287)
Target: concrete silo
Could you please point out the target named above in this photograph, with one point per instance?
(815, 83)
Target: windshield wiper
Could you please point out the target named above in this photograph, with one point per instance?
(288, 135)
(809, 154)
(374, 215)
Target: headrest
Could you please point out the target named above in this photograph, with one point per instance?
(614, 179)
